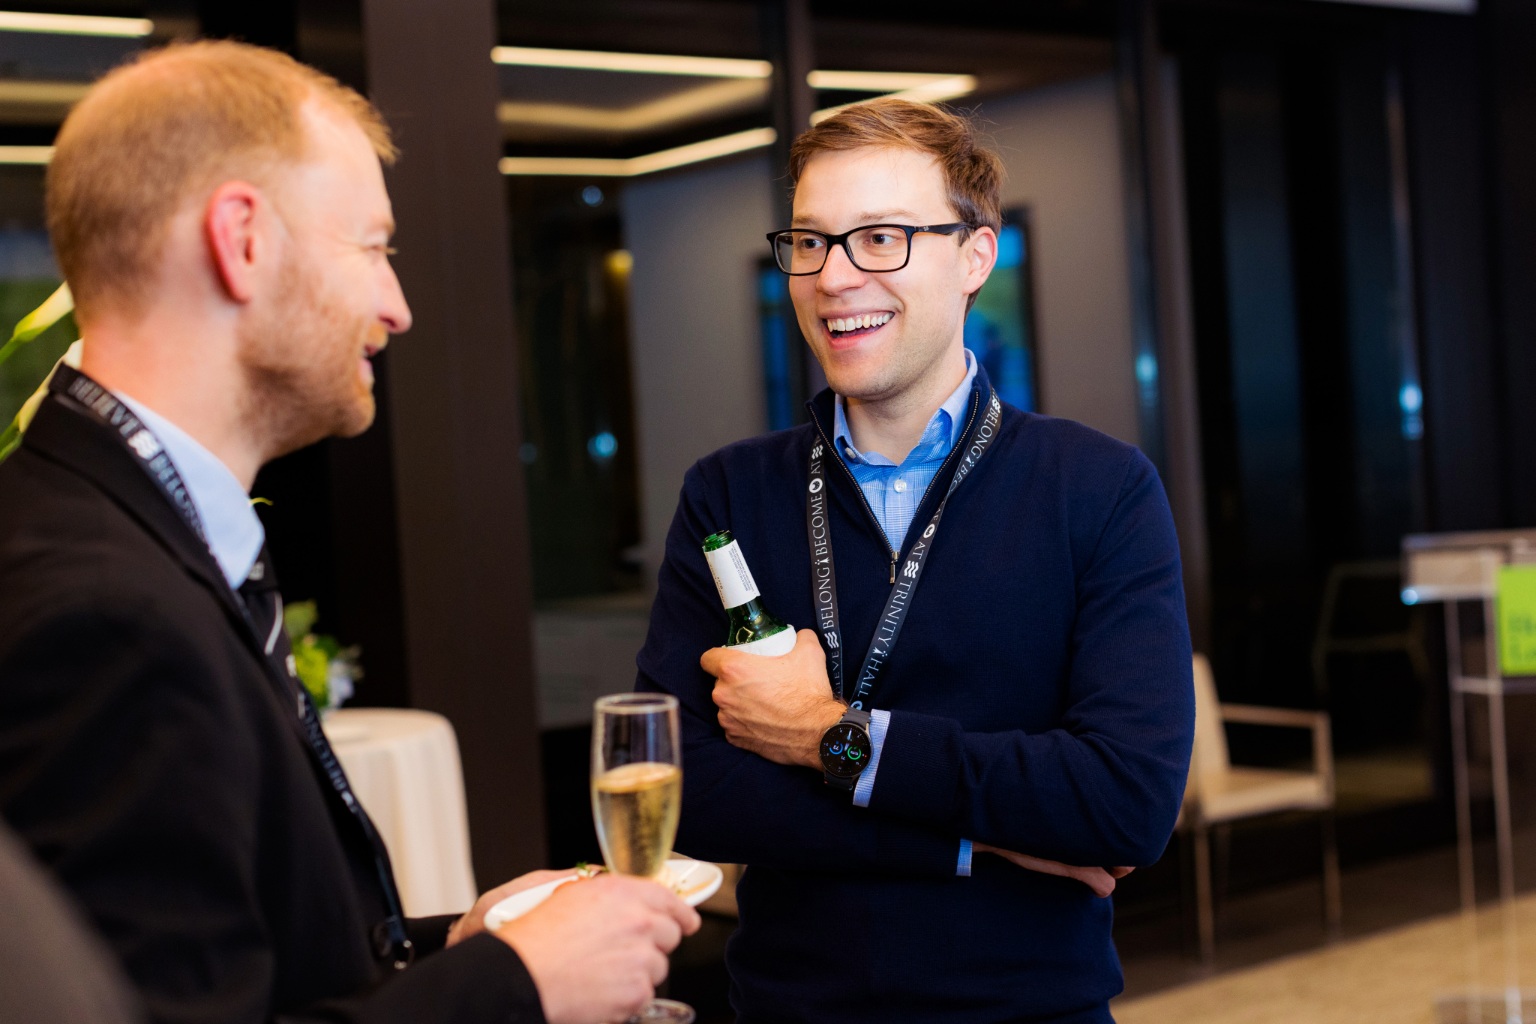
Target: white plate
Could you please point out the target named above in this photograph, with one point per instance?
(694, 881)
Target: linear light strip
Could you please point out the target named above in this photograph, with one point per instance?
(1447, 6)
(75, 24)
(709, 149)
(650, 163)
(32, 155)
(713, 67)
(874, 81)
(640, 63)
(933, 92)
(666, 159)
(715, 97)
(932, 89)
(564, 166)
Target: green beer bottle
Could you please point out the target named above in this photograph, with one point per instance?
(753, 628)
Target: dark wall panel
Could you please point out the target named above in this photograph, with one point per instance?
(1463, 441)
(1509, 27)
(455, 426)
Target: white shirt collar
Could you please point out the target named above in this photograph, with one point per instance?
(234, 533)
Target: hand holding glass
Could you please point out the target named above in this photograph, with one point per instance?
(637, 792)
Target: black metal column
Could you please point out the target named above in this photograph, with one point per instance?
(455, 431)
(1167, 388)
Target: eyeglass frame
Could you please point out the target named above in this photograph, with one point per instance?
(842, 240)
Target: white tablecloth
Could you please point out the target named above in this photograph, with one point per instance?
(404, 767)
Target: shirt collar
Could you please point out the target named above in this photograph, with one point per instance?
(950, 415)
(234, 533)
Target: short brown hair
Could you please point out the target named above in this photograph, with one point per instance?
(973, 174)
(165, 128)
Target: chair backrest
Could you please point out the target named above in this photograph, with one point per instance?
(1210, 755)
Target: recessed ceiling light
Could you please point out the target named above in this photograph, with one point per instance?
(640, 63)
(75, 24)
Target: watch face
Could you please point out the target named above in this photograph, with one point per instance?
(845, 750)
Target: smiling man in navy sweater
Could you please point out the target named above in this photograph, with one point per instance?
(998, 684)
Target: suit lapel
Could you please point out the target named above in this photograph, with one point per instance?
(90, 450)
(81, 445)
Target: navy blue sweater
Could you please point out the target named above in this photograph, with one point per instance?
(1040, 701)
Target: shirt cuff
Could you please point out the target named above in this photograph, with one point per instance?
(879, 722)
(963, 868)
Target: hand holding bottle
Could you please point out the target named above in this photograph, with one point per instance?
(778, 708)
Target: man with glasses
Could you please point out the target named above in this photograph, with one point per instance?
(997, 685)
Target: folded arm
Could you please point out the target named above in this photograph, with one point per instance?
(1104, 785)
(1101, 788)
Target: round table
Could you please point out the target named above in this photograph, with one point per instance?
(404, 767)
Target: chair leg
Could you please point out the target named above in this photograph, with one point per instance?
(1223, 865)
(1203, 904)
(1333, 899)
(1185, 845)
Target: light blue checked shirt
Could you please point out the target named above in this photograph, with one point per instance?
(234, 533)
(894, 492)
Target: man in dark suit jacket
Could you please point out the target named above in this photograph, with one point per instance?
(220, 213)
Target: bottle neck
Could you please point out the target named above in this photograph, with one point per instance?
(750, 613)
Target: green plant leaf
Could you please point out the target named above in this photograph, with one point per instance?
(11, 439)
(313, 668)
(298, 619)
(54, 308)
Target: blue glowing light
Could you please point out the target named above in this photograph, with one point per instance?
(603, 446)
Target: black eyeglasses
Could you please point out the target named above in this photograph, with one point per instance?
(874, 248)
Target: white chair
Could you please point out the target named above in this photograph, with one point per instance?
(1219, 793)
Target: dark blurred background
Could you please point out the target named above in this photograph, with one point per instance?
(1285, 246)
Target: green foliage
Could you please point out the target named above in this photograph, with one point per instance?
(314, 668)
(299, 619)
(27, 364)
(318, 659)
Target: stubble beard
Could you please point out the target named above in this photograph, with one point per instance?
(903, 372)
(300, 367)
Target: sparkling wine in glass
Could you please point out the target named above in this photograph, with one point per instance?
(637, 793)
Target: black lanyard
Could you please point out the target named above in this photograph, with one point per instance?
(818, 527)
(95, 400)
(85, 395)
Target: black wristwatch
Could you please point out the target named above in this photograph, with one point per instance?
(846, 750)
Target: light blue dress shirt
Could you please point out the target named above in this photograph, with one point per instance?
(234, 533)
(894, 492)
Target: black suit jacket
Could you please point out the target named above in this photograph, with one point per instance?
(150, 756)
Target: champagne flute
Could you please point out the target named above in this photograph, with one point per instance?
(637, 793)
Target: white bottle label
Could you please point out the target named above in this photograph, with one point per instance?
(779, 643)
(732, 577)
